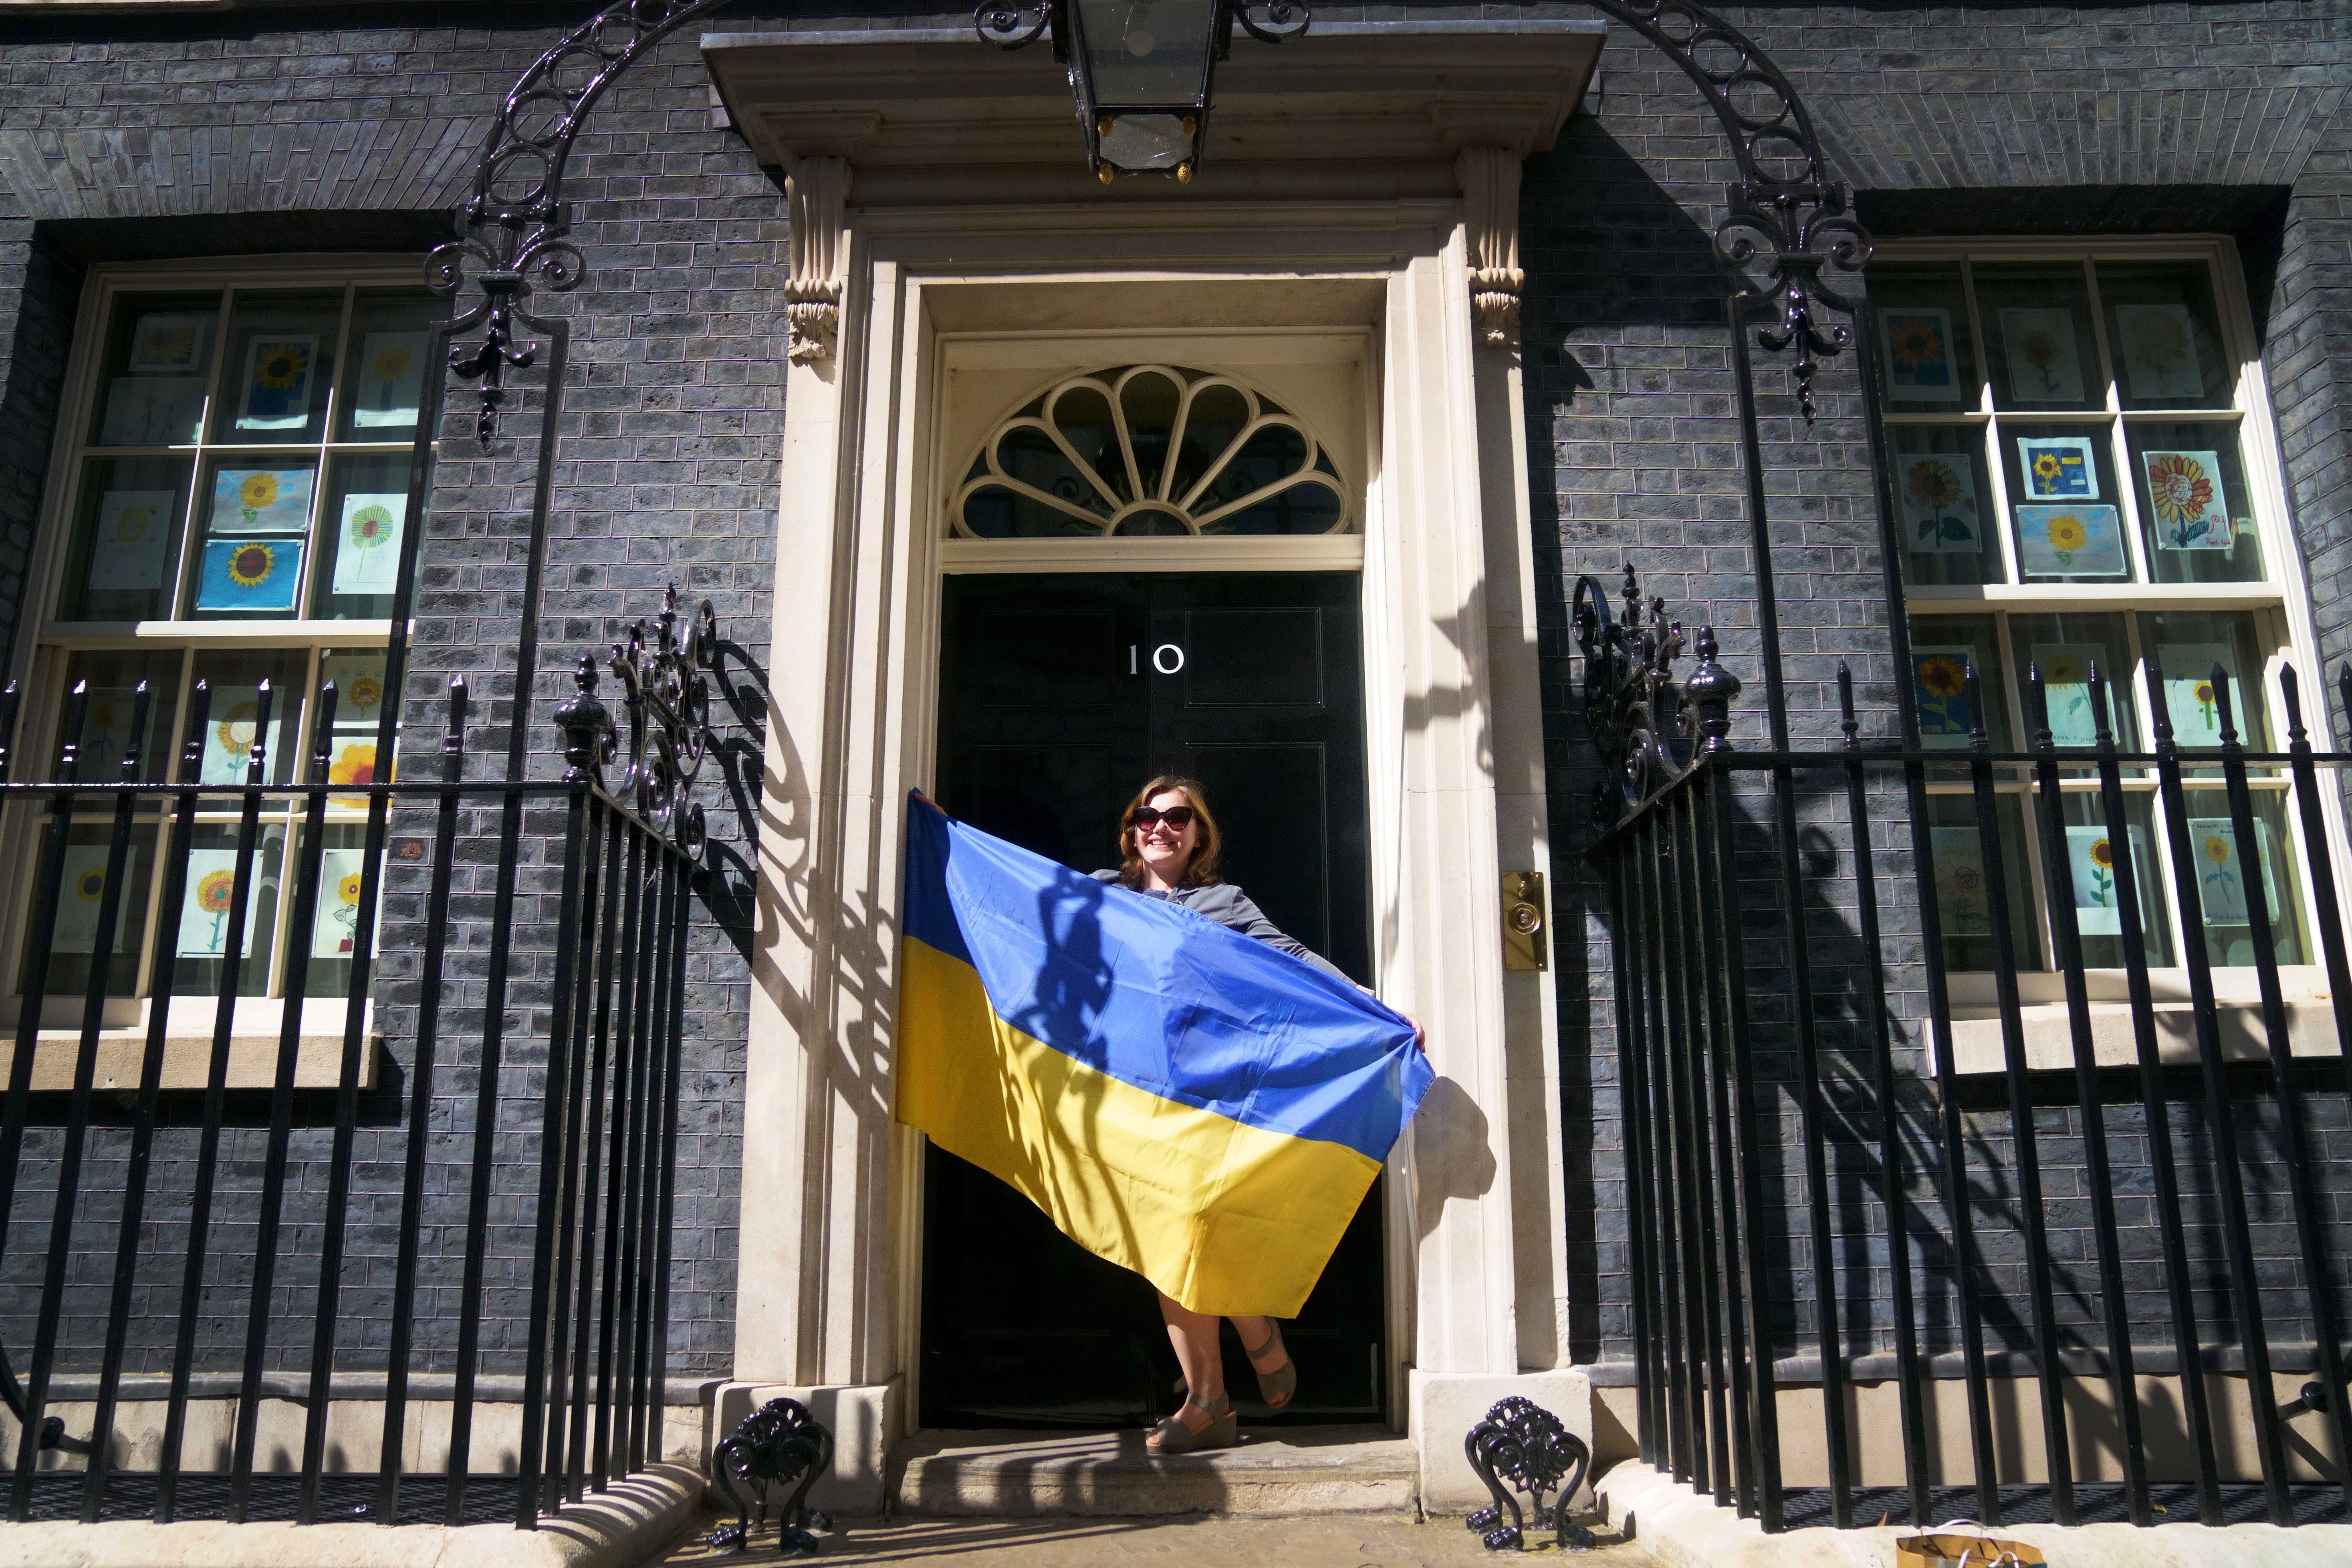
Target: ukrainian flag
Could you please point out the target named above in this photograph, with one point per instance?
(1180, 1098)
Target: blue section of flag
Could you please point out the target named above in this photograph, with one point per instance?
(1159, 998)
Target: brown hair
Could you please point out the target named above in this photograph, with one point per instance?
(1202, 870)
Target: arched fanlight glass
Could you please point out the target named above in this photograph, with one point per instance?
(1150, 450)
(1142, 70)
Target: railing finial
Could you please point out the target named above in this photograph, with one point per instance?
(587, 726)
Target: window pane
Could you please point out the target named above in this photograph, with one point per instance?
(76, 935)
(1963, 890)
(383, 387)
(1942, 649)
(2064, 647)
(281, 349)
(1943, 504)
(205, 911)
(2094, 863)
(360, 534)
(2037, 325)
(2226, 884)
(229, 732)
(249, 552)
(2187, 644)
(2196, 516)
(2061, 503)
(2164, 335)
(358, 675)
(1923, 339)
(157, 361)
(106, 733)
(123, 562)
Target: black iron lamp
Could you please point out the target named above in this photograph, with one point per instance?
(1142, 70)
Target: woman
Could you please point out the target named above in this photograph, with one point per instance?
(1167, 846)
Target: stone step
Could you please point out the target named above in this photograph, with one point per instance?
(1273, 1472)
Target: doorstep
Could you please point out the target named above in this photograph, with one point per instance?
(1275, 1471)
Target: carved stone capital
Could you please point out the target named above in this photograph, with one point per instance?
(1490, 193)
(816, 190)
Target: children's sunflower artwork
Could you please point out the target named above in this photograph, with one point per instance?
(106, 733)
(2071, 542)
(234, 726)
(2191, 695)
(2185, 500)
(1916, 341)
(250, 576)
(2043, 365)
(80, 900)
(2058, 468)
(211, 894)
(336, 931)
(261, 500)
(128, 542)
(2158, 348)
(367, 547)
(1963, 897)
(1939, 502)
(387, 378)
(358, 705)
(279, 371)
(1940, 674)
(2098, 904)
(2066, 688)
(169, 345)
(2222, 875)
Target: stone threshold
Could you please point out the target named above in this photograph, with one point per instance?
(627, 1526)
(1685, 1529)
(1274, 1471)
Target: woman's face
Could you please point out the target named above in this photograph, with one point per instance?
(1163, 848)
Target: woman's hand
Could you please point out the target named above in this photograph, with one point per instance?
(1419, 1040)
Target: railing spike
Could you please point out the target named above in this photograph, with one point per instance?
(1847, 722)
(200, 718)
(1974, 688)
(2037, 697)
(143, 709)
(2292, 690)
(2344, 690)
(2158, 705)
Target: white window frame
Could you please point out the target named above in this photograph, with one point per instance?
(45, 645)
(2280, 603)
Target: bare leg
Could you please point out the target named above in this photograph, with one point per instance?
(1194, 1335)
(1259, 1331)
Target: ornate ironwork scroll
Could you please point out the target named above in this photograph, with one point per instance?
(516, 221)
(1011, 26)
(665, 704)
(1647, 729)
(1785, 210)
(1524, 1445)
(776, 1445)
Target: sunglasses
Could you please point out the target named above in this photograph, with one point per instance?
(1176, 816)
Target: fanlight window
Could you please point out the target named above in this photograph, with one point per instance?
(1149, 451)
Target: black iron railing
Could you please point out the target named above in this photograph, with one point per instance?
(1815, 1194)
(570, 1067)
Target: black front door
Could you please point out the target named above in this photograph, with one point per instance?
(1059, 697)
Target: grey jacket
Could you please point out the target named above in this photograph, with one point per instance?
(1233, 908)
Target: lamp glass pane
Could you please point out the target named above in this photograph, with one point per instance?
(1147, 54)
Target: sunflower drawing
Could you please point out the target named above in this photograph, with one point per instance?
(347, 890)
(2181, 490)
(236, 731)
(1942, 680)
(2041, 353)
(2103, 861)
(1915, 345)
(355, 767)
(250, 565)
(2046, 467)
(346, 913)
(2067, 535)
(282, 368)
(1935, 489)
(371, 527)
(365, 692)
(2158, 340)
(2205, 701)
(1933, 484)
(131, 524)
(257, 491)
(214, 895)
(2228, 898)
(2216, 849)
(1964, 899)
(388, 366)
